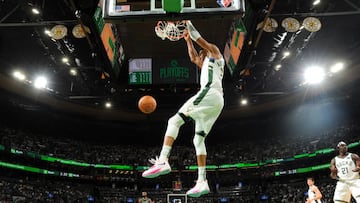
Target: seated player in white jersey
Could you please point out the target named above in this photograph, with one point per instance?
(203, 108)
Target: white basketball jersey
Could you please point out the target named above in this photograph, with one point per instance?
(345, 167)
(145, 200)
(311, 195)
(212, 72)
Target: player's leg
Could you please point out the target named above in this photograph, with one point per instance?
(172, 131)
(201, 154)
(342, 193)
(173, 127)
(201, 187)
(202, 128)
(161, 165)
(205, 115)
(355, 190)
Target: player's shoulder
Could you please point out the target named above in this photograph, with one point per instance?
(354, 155)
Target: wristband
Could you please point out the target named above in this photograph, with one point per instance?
(194, 34)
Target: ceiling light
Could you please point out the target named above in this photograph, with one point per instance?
(312, 24)
(58, 32)
(314, 75)
(65, 60)
(108, 104)
(277, 67)
(286, 54)
(270, 25)
(40, 82)
(35, 11)
(79, 32)
(290, 24)
(19, 75)
(316, 2)
(337, 67)
(47, 32)
(243, 102)
(73, 72)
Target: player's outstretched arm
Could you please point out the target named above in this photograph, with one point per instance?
(196, 37)
(193, 54)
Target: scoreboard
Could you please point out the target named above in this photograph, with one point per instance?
(162, 71)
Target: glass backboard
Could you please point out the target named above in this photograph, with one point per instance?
(144, 10)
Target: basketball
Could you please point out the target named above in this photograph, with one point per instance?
(147, 104)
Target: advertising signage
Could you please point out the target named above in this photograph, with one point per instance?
(174, 71)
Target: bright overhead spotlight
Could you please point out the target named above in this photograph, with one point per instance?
(286, 53)
(337, 67)
(108, 104)
(278, 67)
(314, 75)
(243, 102)
(316, 2)
(47, 32)
(19, 75)
(73, 72)
(40, 82)
(65, 60)
(35, 11)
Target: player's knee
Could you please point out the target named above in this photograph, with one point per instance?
(199, 143)
(174, 123)
(176, 120)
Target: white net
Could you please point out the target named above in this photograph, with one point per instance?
(160, 29)
(170, 30)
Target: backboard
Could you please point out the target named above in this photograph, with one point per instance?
(176, 198)
(133, 27)
(116, 11)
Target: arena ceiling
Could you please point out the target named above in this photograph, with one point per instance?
(263, 74)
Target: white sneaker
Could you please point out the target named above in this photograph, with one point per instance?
(201, 188)
(160, 167)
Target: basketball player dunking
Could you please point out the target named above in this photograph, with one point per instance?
(345, 168)
(204, 108)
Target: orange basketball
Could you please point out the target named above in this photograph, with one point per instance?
(147, 104)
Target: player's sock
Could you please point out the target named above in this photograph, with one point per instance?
(165, 152)
(201, 173)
